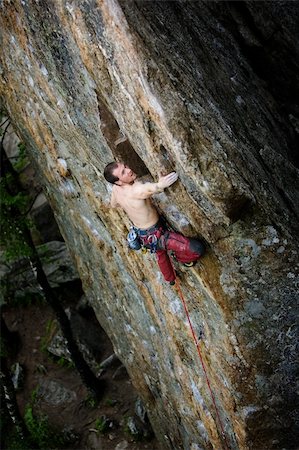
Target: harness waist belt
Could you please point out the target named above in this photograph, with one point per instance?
(148, 230)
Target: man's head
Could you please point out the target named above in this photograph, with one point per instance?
(119, 173)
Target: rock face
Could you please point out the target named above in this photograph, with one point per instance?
(208, 89)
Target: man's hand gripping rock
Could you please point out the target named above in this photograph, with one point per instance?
(167, 180)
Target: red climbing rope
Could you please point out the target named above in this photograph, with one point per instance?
(196, 341)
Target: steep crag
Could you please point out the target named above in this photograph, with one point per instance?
(209, 89)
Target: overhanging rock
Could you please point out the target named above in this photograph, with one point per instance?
(206, 89)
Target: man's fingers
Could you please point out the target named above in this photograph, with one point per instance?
(168, 180)
(171, 175)
(171, 178)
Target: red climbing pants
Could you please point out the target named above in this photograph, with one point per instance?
(160, 240)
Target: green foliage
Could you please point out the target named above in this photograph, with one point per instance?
(91, 401)
(37, 427)
(13, 212)
(102, 424)
(10, 438)
(34, 395)
(51, 328)
(41, 432)
(27, 299)
(136, 434)
(63, 362)
(12, 441)
(22, 159)
(3, 348)
(110, 402)
(12, 238)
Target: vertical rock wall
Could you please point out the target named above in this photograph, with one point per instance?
(207, 89)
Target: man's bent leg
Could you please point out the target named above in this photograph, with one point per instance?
(165, 265)
(185, 249)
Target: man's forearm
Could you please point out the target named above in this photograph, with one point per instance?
(147, 189)
(165, 182)
(156, 188)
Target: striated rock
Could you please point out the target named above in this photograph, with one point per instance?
(208, 89)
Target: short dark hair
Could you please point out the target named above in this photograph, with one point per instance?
(108, 172)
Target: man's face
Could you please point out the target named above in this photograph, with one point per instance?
(124, 173)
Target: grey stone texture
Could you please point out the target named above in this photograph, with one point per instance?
(209, 89)
(18, 280)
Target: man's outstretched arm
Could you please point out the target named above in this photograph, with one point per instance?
(145, 190)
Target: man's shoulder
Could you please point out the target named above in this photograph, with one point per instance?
(138, 185)
(140, 182)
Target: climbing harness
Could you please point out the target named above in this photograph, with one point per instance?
(149, 239)
(153, 242)
(137, 241)
(161, 241)
(197, 341)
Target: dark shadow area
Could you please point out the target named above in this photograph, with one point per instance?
(50, 379)
(272, 57)
(118, 142)
(45, 222)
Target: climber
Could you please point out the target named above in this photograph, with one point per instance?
(133, 196)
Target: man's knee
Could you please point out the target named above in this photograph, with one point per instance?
(197, 246)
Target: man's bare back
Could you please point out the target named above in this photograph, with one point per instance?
(134, 197)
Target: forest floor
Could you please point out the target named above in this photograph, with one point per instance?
(75, 413)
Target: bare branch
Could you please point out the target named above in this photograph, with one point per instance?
(32, 203)
(4, 122)
(3, 135)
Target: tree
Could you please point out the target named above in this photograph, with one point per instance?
(7, 387)
(17, 239)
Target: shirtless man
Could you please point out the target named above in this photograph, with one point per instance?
(134, 198)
